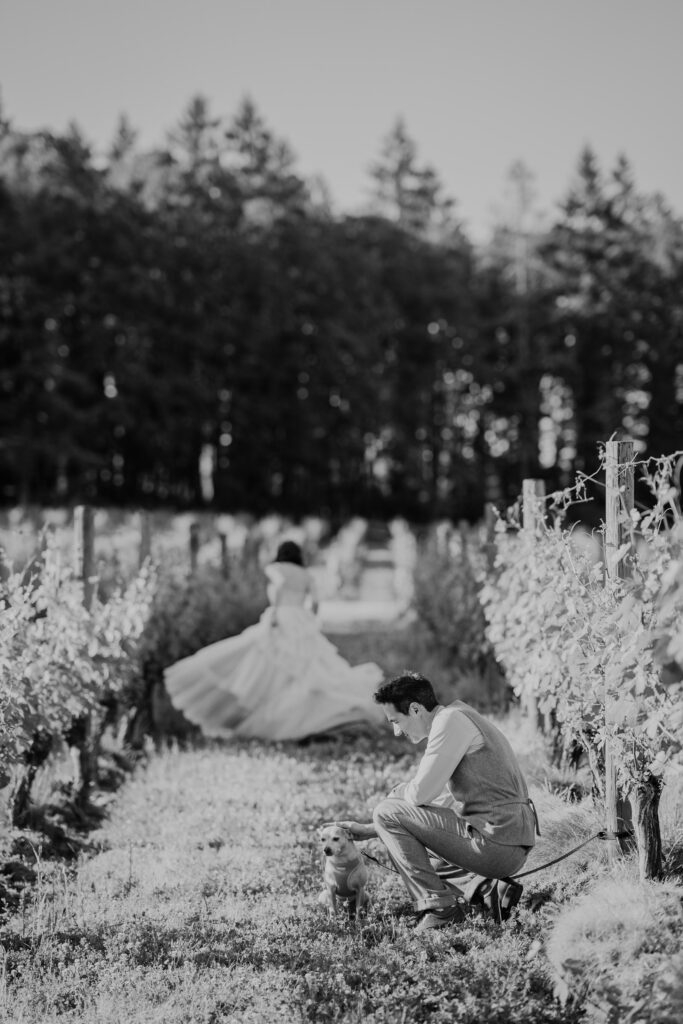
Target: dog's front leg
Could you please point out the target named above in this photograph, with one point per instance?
(361, 899)
(332, 900)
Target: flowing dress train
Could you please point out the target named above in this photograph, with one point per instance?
(277, 680)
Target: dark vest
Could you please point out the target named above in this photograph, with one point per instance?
(489, 788)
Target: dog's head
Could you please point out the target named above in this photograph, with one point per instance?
(334, 839)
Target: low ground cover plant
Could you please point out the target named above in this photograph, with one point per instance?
(198, 902)
(619, 949)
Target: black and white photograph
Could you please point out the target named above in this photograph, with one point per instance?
(341, 512)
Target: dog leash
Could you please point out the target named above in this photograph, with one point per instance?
(387, 867)
(603, 834)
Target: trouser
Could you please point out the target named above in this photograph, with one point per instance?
(412, 833)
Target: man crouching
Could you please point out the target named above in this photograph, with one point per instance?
(467, 806)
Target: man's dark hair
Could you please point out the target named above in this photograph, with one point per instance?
(406, 689)
(289, 551)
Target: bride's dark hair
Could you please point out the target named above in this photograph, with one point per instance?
(289, 551)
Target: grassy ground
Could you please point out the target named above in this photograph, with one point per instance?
(200, 905)
(196, 902)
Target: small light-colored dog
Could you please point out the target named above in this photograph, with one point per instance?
(345, 874)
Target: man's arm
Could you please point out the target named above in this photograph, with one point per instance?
(451, 736)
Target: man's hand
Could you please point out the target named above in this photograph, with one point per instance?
(356, 829)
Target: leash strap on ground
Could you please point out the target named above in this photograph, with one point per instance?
(603, 834)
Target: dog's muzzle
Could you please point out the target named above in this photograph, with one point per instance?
(328, 851)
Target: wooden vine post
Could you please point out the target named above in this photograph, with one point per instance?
(194, 546)
(84, 551)
(618, 526)
(225, 560)
(81, 732)
(533, 495)
(145, 550)
(490, 534)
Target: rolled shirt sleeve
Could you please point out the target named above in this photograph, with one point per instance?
(451, 736)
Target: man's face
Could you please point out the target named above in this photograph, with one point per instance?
(409, 725)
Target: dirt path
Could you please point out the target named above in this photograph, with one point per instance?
(375, 605)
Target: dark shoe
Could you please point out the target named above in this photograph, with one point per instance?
(499, 896)
(440, 918)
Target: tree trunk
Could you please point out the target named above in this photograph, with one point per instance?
(20, 798)
(34, 758)
(82, 741)
(645, 800)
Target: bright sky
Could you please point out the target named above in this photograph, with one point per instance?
(480, 83)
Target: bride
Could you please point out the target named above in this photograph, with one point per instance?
(280, 679)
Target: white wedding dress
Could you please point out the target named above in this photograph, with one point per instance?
(280, 679)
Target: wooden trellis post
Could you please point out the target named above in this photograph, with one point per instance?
(533, 511)
(490, 534)
(225, 562)
(84, 568)
(618, 505)
(84, 551)
(533, 493)
(145, 538)
(194, 545)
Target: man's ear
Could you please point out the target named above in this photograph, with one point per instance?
(414, 708)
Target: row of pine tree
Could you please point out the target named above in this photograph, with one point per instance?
(197, 324)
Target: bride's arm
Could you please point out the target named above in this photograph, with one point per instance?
(273, 590)
(313, 594)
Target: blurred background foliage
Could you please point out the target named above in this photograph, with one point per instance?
(196, 325)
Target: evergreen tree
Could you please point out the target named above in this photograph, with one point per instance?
(408, 193)
(616, 311)
(263, 165)
(48, 183)
(518, 356)
(203, 296)
(592, 251)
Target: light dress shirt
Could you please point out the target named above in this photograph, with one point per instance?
(452, 735)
